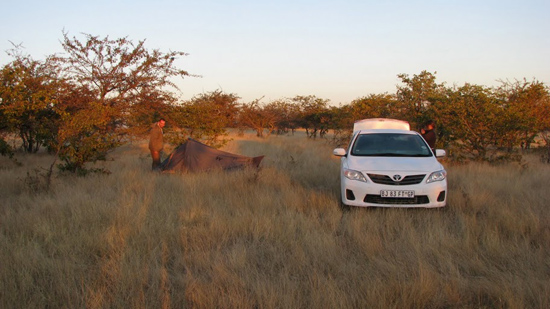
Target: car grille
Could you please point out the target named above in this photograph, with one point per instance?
(376, 199)
(406, 181)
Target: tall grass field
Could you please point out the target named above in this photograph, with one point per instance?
(276, 238)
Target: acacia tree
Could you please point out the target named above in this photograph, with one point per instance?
(475, 122)
(372, 106)
(115, 75)
(259, 118)
(5, 148)
(342, 124)
(314, 115)
(417, 96)
(28, 92)
(288, 115)
(545, 135)
(375, 106)
(148, 108)
(528, 110)
(205, 117)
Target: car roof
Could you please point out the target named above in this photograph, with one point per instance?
(380, 123)
(394, 131)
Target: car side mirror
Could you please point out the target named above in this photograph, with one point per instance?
(440, 153)
(340, 152)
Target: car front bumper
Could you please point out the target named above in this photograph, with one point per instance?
(367, 194)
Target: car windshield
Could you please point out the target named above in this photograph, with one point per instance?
(390, 145)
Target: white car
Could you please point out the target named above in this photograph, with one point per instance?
(388, 165)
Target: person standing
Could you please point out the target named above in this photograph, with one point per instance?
(156, 142)
(428, 133)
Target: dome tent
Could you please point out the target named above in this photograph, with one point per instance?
(194, 156)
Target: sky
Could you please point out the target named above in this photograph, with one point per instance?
(335, 50)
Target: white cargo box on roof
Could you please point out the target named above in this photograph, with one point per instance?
(380, 123)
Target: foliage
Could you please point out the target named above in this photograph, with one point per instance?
(116, 76)
(28, 90)
(102, 92)
(545, 135)
(205, 117)
(475, 121)
(314, 115)
(341, 124)
(528, 110)
(149, 108)
(375, 106)
(372, 106)
(288, 113)
(416, 96)
(279, 116)
(481, 123)
(5, 149)
(259, 118)
(86, 136)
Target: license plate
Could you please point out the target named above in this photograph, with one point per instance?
(397, 193)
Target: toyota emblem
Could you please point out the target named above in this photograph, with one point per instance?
(397, 177)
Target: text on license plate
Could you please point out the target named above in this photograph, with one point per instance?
(397, 193)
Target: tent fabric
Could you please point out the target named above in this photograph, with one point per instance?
(194, 156)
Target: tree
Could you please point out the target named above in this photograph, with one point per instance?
(342, 124)
(314, 115)
(288, 115)
(114, 76)
(475, 122)
(28, 93)
(375, 106)
(417, 95)
(149, 107)
(259, 118)
(527, 106)
(205, 117)
(5, 149)
(86, 135)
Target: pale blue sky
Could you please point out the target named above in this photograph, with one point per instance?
(337, 50)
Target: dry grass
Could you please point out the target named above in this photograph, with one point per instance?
(276, 239)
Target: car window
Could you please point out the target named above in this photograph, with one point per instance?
(390, 144)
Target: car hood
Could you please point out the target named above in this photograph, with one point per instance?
(394, 164)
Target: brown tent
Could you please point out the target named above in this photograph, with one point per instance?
(193, 156)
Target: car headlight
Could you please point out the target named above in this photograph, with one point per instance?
(437, 176)
(354, 175)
